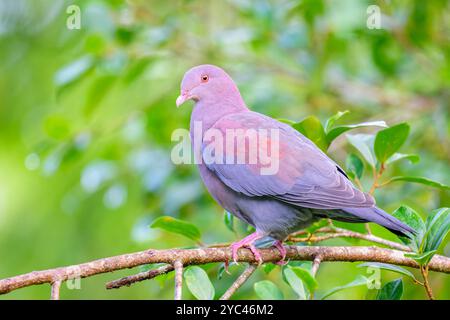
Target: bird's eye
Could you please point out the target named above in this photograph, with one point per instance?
(204, 78)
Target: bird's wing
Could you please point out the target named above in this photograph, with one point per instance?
(297, 173)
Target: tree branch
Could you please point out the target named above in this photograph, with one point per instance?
(239, 281)
(55, 290)
(178, 266)
(343, 233)
(426, 283)
(316, 264)
(332, 232)
(210, 255)
(147, 275)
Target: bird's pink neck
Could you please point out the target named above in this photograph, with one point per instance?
(209, 112)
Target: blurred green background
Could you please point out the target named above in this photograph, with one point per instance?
(86, 118)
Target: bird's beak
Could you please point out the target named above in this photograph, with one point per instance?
(183, 97)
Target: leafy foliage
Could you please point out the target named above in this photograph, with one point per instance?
(312, 128)
(177, 226)
(267, 290)
(359, 281)
(388, 141)
(389, 267)
(337, 131)
(392, 290)
(228, 219)
(420, 180)
(430, 234)
(300, 280)
(364, 144)
(437, 226)
(198, 283)
(355, 166)
(414, 220)
(295, 283)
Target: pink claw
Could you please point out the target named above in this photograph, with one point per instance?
(279, 245)
(256, 253)
(247, 242)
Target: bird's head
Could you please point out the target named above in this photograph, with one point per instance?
(206, 83)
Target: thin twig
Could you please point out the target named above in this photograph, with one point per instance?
(210, 255)
(316, 264)
(129, 280)
(426, 283)
(360, 187)
(343, 233)
(315, 267)
(376, 177)
(359, 184)
(56, 285)
(239, 281)
(178, 266)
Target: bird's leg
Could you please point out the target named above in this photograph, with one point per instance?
(248, 242)
(279, 245)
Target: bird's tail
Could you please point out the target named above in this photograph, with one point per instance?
(375, 214)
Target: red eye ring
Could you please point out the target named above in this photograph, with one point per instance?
(204, 78)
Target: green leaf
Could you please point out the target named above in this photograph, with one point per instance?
(137, 69)
(295, 283)
(73, 71)
(268, 267)
(337, 131)
(95, 43)
(438, 225)
(98, 91)
(228, 219)
(151, 266)
(413, 158)
(287, 121)
(392, 290)
(364, 144)
(198, 283)
(421, 258)
(57, 127)
(311, 128)
(414, 220)
(389, 267)
(306, 277)
(359, 281)
(354, 165)
(221, 269)
(420, 180)
(267, 290)
(330, 122)
(389, 140)
(181, 227)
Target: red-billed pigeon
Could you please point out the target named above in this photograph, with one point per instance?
(306, 186)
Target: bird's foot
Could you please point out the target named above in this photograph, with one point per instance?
(247, 242)
(279, 245)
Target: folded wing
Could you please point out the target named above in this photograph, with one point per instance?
(297, 172)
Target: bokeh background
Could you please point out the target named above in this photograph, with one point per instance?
(86, 118)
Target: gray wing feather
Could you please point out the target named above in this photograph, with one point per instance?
(307, 177)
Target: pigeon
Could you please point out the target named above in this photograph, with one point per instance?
(305, 185)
